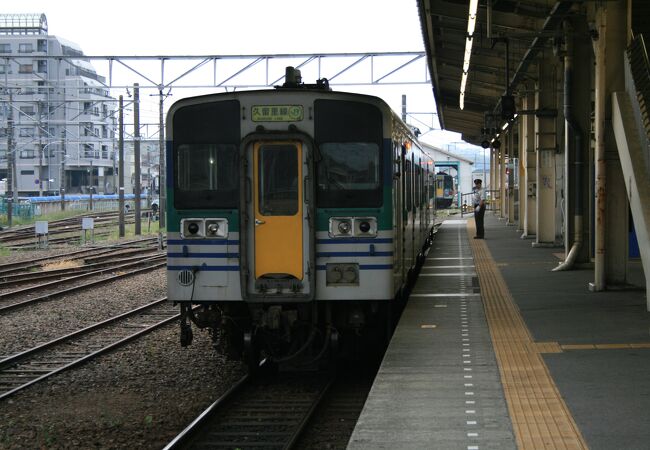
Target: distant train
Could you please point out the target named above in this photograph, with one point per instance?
(296, 218)
(445, 190)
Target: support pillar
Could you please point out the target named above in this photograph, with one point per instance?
(529, 157)
(510, 176)
(546, 147)
(611, 239)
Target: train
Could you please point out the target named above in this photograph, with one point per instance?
(445, 190)
(297, 217)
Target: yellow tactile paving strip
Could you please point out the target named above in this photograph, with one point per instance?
(540, 418)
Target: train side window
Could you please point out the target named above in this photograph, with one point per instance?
(409, 185)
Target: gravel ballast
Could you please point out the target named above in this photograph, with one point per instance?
(138, 396)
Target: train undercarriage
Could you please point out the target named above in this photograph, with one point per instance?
(295, 335)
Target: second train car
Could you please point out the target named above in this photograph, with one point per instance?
(296, 218)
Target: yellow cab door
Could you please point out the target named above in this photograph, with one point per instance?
(278, 205)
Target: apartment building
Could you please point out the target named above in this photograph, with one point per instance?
(57, 119)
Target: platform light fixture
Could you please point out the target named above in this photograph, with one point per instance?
(471, 25)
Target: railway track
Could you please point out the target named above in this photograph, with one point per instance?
(19, 298)
(257, 412)
(107, 262)
(21, 237)
(31, 366)
(37, 263)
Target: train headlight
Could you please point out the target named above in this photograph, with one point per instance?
(365, 226)
(340, 226)
(216, 228)
(355, 227)
(192, 228)
(204, 228)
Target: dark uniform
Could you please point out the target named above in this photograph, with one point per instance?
(479, 210)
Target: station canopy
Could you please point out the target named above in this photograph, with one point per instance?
(506, 31)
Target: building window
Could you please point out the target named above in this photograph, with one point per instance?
(3, 132)
(104, 151)
(26, 132)
(41, 66)
(25, 48)
(5, 68)
(89, 151)
(86, 128)
(5, 48)
(27, 110)
(42, 45)
(25, 68)
(27, 154)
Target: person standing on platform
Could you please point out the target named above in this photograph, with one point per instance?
(479, 208)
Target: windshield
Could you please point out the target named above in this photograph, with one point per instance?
(206, 176)
(349, 175)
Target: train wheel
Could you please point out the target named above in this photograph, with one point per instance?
(251, 353)
(186, 334)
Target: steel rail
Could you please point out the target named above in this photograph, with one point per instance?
(77, 288)
(21, 355)
(274, 438)
(189, 431)
(90, 355)
(28, 277)
(79, 277)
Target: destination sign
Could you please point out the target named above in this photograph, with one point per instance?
(277, 113)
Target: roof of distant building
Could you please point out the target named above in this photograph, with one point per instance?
(16, 24)
(446, 153)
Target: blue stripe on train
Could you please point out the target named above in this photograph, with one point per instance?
(202, 242)
(366, 267)
(206, 268)
(236, 268)
(355, 241)
(327, 254)
(203, 255)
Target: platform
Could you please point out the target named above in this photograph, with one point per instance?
(496, 351)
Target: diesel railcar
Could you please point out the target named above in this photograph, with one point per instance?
(296, 218)
(445, 190)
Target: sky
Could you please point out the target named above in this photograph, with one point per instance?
(250, 27)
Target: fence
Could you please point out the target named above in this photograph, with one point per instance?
(492, 202)
(30, 207)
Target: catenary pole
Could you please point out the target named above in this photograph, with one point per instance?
(136, 156)
(120, 188)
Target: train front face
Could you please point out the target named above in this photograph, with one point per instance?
(280, 221)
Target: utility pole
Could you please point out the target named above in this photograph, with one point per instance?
(120, 188)
(162, 195)
(40, 148)
(63, 154)
(11, 159)
(91, 181)
(136, 155)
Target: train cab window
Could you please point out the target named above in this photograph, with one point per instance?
(278, 180)
(206, 176)
(349, 175)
